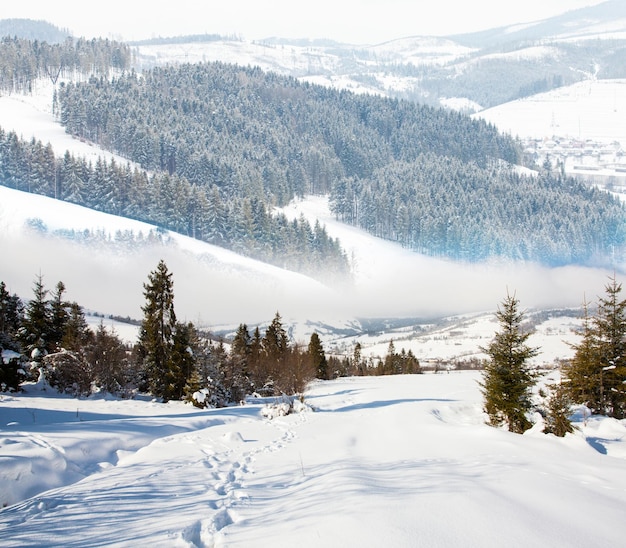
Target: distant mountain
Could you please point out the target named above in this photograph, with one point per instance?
(470, 71)
(601, 21)
(30, 29)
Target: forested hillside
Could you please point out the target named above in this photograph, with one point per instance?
(23, 61)
(219, 146)
(170, 202)
(433, 180)
(459, 210)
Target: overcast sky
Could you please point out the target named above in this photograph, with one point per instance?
(352, 21)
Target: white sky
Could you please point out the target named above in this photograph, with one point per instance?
(352, 21)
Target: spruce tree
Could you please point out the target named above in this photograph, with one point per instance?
(156, 336)
(107, 358)
(558, 405)
(596, 375)
(581, 376)
(275, 346)
(610, 326)
(59, 317)
(11, 370)
(318, 357)
(35, 330)
(181, 361)
(508, 380)
(238, 374)
(11, 311)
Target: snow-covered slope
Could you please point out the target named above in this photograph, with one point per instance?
(211, 285)
(214, 286)
(391, 461)
(592, 109)
(343, 66)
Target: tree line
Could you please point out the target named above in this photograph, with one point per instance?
(48, 338)
(245, 225)
(23, 62)
(465, 212)
(595, 377)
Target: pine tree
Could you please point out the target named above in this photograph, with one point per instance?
(275, 345)
(238, 374)
(358, 365)
(596, 375)
(35, 329)
(156, 337)
(107, 358)
(508, 380)
(318, 357)
(557, 420)
(11, 310)
(581, 375)
(77, 334)
(11, 370)
(58, 318)
(610, 327)
(181, 361)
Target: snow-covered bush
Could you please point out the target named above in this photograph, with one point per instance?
(68, 372)
(285, 405)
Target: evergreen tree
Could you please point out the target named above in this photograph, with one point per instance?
(77, 334)
(205, 386)
(610, 324)
(35, 330)
(358, 365)
(11, 370)
(107, 358)
(581, 376)
(181, 360)
(156, 336)
(255, 361)
(238, 378)
(58, 318)
(557, 420)
(275, 346)
(597, 373)
(11, 310)
(508, 380)
(318, 357)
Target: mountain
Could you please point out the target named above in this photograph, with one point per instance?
(33, 30)
(604, 21)
(478, 70)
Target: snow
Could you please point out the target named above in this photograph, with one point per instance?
(30, 115)
(201, 271)
(388, 461)
(591, 109)
(392, 281)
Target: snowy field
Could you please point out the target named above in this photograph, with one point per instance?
(591, 109)
(393, 461)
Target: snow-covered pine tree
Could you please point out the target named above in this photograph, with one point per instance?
(508, 379)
